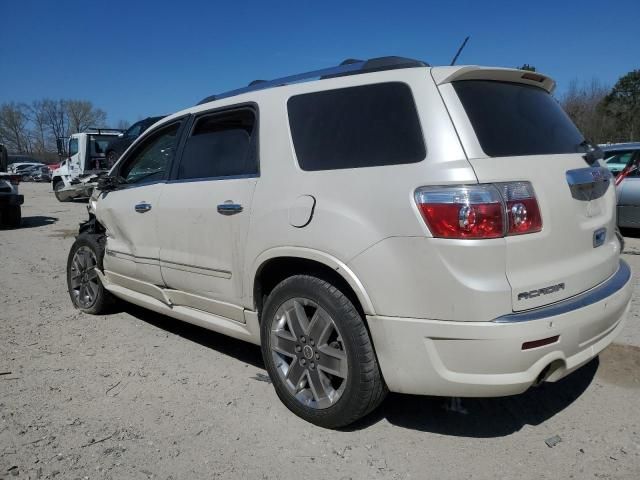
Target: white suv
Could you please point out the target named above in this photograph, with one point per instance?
(381, 225)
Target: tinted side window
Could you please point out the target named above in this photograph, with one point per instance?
(365, 126)
(150, 161)
(221, 145)
(513, 119)
(73, 147)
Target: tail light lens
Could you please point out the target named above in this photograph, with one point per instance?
(480, 211)
(522, 208)
(15, 179)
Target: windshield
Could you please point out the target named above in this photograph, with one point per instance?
(512, 119)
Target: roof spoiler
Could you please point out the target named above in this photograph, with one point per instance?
(443, 75)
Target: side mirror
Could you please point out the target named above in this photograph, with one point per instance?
(60, 145)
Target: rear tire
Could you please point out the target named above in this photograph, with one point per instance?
(85, 288)
(56, 187)
(300, 364)
(12, 216)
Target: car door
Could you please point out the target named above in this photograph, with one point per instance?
(130, 213)
(205, 209)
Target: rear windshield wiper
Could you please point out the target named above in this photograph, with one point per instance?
(592, 152)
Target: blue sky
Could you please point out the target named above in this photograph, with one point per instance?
(134, 58)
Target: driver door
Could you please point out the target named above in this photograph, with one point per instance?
(129, 213)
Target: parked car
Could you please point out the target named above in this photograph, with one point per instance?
(10, 199)
(20, 167)
(390, 226)
(628, 192)
(118, 145)
(36, 173)
(618, 155)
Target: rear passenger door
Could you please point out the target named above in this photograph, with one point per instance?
(205, 211)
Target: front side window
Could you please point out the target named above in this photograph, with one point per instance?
(512, 119)
(151, 160)
(221, 145)
(355, 127)
(73, 147)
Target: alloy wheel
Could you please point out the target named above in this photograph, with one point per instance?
(84, 278)
(308, 353)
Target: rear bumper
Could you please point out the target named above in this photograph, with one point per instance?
(486, 359)
(11, 199)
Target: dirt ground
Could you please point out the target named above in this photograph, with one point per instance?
(136, 395)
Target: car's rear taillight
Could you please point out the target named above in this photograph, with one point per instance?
(474, 211)
(480, 211)
(15, 179)
(522, 208)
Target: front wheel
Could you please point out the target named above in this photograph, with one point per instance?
(318, 353)
(85, 288)
(59, 185)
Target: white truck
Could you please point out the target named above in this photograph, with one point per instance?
(10, 199)
(85, 161)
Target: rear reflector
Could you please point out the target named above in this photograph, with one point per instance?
(540, 343)
(480, 211)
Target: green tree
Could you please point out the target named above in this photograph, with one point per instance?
(623, 105)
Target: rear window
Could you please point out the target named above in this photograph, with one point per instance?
(513, 119)
(364, 126)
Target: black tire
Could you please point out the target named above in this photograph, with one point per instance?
(11, 216)
(103, 301)
(57, 186)
(364, 389)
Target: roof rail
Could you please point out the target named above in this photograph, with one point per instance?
(348, 67)
(100, 130)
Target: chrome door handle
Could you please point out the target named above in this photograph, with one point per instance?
(229, 208)
(142, 207)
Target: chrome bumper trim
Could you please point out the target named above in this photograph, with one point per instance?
(616, 282)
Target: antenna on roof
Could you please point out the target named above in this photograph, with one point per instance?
(453, 62)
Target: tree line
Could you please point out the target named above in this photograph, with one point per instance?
(604, 114)
(32, 129)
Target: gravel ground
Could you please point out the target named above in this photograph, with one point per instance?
(136, 395)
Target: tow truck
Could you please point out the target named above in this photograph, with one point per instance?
(85, 162)
(10, 199)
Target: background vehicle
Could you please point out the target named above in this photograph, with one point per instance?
(22, 166)
(628, 191)
(76, 175)
(36, 173)
(310, 217)
(118, 145)
(10, 199)
(618, 155)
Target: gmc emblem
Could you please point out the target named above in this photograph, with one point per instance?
(540, 291)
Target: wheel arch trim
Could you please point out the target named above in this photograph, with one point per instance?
(324, 258)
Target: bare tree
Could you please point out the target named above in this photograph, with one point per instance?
(123, 124)
(14, 127)
(583, 103)
(55, 113)
(82, 115)
(40, 130)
